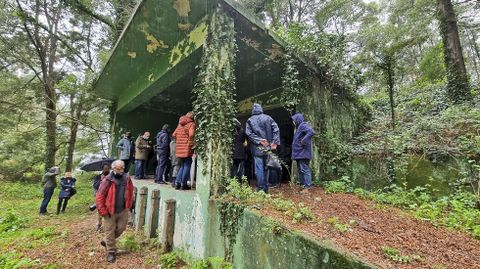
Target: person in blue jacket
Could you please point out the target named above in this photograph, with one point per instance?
(302, 150)
(264, 135)
(163, 155)
(67, 190)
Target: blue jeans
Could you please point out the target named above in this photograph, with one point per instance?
(304, 173)
(139, 168)
(262, 183)
(47, 195)
(183, 174)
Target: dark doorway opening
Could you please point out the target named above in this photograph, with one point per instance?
(283, 118)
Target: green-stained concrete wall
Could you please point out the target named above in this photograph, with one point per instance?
(196, 231)
(333, 115)
(369, 172)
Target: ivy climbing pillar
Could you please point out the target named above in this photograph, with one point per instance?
(214, 106)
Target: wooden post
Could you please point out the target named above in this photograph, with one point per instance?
(152, 221)
(168, 227)
(142, 207)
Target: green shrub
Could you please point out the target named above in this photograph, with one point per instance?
(342, 185)
(11, 222)
(130, 242)
(13, 260)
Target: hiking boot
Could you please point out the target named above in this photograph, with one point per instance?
(186, 187)
(104, 244)
(99, 228)
(177, 186)
(305, 191)
(111, 257)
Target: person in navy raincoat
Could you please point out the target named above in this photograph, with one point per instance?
(163, 154)
(67, 186)
(264, 135)
(302, 149)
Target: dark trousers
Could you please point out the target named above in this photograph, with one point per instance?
(127, 165)
(163, 168)
(47, 195)
(238, 169)
(140, 168)
(273, 176)
(62, 204)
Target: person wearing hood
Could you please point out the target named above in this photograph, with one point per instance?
(184, 136)
(264, 135)
(142, 149)
(239, 153)
(163, 151)
(126, 148)
(302, 150)
(114, 201)
(49, 184)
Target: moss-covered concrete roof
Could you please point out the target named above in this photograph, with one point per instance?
(154, 60)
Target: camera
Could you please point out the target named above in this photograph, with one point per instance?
(92, 207)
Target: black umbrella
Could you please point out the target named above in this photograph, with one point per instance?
(96, 165)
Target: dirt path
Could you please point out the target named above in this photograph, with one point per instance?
(375, 227)
(81, 248)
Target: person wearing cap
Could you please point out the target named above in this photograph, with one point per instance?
(163, 150)
(49, 184)
(67, 190)
(126, 148)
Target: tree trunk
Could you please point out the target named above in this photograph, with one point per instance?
(51, 127)
(458, 87)
(75, 114)
(389, 71)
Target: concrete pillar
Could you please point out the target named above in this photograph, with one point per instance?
(168, 227)
(152, 220)
(142, 208)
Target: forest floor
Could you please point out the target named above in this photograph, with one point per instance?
(381, 235)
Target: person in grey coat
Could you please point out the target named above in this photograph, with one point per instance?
(126, 147)
(264, 135)
(49, 183)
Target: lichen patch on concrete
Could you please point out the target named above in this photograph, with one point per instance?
(182, 7)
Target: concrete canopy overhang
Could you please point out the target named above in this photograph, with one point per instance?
(153, 64)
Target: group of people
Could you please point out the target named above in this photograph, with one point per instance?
(49, 183)
(174, 153)
(263, 135)
(113, 187)
(176, 158)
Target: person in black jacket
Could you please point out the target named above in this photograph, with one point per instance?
(96, 184)
(239, 152)
(163, 155)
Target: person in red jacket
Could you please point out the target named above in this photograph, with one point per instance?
(114, 200)
(185, 138)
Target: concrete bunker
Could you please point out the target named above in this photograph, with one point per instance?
(150, 75)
